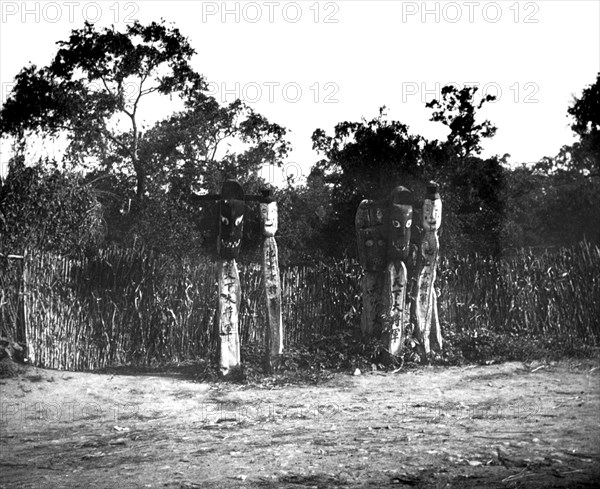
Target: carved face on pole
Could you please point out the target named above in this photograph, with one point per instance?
(268, 214)
(399, 223)
(231, 220)
(370, 234)
(432, 209)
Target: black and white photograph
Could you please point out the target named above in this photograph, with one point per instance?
(299, 244)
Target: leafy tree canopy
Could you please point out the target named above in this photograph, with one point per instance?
(92, 92)
(457, 111)
(364, 159)
(582, 157)
(99, 78)
(367, 159)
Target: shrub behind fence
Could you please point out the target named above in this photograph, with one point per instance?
(128, 306)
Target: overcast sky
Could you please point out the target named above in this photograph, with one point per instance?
(308, 64)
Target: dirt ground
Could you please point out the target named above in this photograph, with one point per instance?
(507, 425)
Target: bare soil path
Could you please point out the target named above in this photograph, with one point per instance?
(496, 426)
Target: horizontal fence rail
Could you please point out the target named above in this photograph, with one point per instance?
(138, 307)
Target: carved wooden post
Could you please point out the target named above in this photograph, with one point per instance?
(370, 236)
(228, 245)
(395, 284)
(228, 316)
(270, 265)
(426, 307)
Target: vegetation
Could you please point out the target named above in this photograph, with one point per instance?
(140, 308)
(93, 95)
(118, 252)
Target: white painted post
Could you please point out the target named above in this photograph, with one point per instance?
(426, 308)
(272, 282)
(228, 314)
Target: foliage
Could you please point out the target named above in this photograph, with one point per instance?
(482, 345)
(315, 360)
(470, 186)
(563, 200)
(457, 110)
(304, 214)
(586, 112)
(363, 160)
(583, 157)
(48, 210)
(11, 349)
(368, 159)
(87, 86)
(523, 219)
(94, 93)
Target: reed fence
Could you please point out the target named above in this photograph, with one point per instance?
(125, 306)
(550, 293)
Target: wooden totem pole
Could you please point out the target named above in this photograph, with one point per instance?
(370, 234)
(383, 235)
(231, 226)
(394, 285)
(272, 282)
(232, 204)
(427, 329)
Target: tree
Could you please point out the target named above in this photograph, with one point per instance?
(473, 206)
(457, 110)
(471, 186)
(304, 214)
(582, 157)
(194, 151)
(523, 197)
(571, 206)
(364, 159)
(92, 92)
(183, 150)
(97, 76)
(367, 159)
(585, 154)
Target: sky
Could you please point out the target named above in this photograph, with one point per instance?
(312, 64)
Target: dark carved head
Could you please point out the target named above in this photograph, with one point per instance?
(399, 223)
(371, 240)
(231, 220)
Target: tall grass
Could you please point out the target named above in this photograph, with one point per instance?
(549, 294)
(127, 306)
